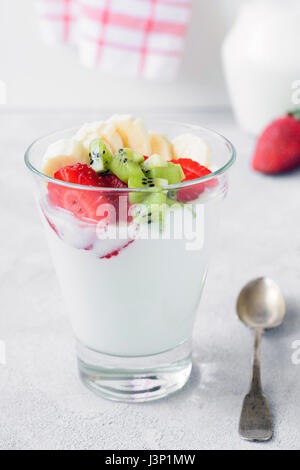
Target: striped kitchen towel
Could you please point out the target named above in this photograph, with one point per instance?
(132, 38)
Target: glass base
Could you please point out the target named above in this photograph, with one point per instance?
(135, 379)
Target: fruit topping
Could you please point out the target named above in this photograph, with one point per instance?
(191, 146)
(193, 170)
(124, 168)
(78, 174)
(62, 153)
(151, 209)
(133, 133)
(144, 182)
(172, 172)
(112, 181)
(161, 146)
(130, 155)
(121, 154)
(82, 203)
(154, 161)
(100, 156)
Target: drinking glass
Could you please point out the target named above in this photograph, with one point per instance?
(132, 277)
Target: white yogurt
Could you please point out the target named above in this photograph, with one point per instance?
(142, 301)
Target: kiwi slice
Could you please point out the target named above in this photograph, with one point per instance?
(172, 172)
(144, 182)
(173, 202)
(124, 168)
(100, 156)
(154, 161)
(130, 155)
(151, 209)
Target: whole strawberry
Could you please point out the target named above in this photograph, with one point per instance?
(278, 147)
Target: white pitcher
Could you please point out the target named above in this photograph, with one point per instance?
(261, 57)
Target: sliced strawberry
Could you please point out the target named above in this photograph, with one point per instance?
(112, 181)
(191, 193)
(193, 170)
(189, 165)
(82, 203)
(78, 174)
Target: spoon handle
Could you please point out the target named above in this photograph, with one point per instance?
(255, 422)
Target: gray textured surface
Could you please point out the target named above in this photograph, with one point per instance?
(42, 403)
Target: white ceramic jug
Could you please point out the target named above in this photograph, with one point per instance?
(261, 58)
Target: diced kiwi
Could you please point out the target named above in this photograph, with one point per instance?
(130, 155)
(154, 161)
(151, 209)
(173, 202)
(172, 172)
(143, 182)
(100, 156)
(124, 168)
(181, 172)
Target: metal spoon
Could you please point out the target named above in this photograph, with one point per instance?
(260, 306)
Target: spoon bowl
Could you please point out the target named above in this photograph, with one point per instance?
(261, 305)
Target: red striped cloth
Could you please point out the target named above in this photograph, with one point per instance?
(126, 37)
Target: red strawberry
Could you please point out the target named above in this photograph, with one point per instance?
(82, 203)
(189, 165)
(112, 181)
(192, 170)
(78, 174)
(278, 147)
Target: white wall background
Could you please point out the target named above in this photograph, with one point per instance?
(41, 76)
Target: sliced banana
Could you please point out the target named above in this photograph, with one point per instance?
(87, 129)
(112, 137)
(154, 161)
(161, 146)
(103, 130)
(133, 133)
(191, 146)
(62, 153)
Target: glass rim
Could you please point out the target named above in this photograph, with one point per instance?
(170, 187)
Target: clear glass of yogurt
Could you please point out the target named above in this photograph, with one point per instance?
(132, 290)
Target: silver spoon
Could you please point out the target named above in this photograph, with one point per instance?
(260, 306)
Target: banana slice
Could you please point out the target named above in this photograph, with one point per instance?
(153, 161)
(161, 146)
(62, 153)
(133, 133)
(112, 137)
(87, 129)
(105, 131)
(192, 146)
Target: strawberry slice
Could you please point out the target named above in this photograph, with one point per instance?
(78, 174)
(82, 203)
(193, 170)
(112, 181)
